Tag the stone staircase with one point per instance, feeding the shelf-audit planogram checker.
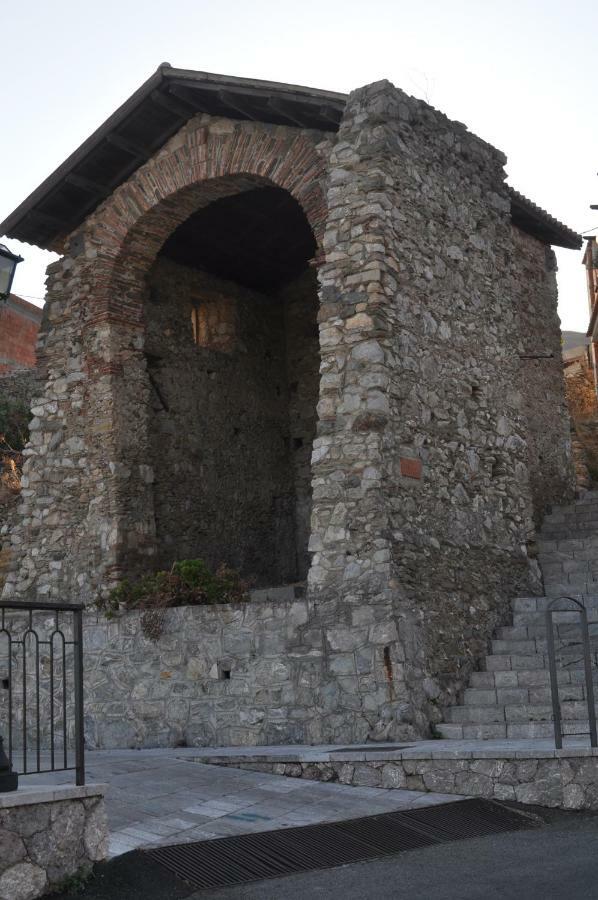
(510, 698)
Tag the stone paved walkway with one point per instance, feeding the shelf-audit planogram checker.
(162, 797)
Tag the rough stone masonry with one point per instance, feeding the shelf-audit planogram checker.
(314, 336)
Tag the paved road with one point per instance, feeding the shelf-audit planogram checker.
(557, 862)
(549, 865)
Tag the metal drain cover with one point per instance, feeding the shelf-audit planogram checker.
(271, 854)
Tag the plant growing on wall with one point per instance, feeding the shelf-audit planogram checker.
(14, 433)
(14, 424)
(190, 582)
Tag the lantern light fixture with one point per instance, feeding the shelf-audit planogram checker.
(8, 264)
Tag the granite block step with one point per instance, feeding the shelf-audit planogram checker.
(574, 710)
(532, 678)
(508, 696)
(567, 645)
(565, 631)
(589, 599)
(498, 730)
(511, 697)
(514, 662)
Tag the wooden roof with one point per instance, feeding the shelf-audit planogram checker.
(156, 111)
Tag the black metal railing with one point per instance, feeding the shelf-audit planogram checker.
(587, 662)
(41, 687)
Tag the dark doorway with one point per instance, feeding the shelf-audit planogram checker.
(233, 362)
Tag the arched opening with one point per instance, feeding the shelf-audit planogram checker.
(233, 363)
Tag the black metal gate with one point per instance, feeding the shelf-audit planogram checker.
(41, 687)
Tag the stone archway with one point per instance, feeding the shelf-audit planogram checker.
(203, 165)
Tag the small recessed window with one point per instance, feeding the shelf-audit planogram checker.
(213, 324)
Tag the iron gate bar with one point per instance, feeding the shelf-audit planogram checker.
(587, 660)
(272, 854)
(29, 636)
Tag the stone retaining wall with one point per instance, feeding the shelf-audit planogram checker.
(567, 782)
(238, 674)
(47, 835)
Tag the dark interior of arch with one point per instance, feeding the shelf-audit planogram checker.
(233, 364)
(259, 238)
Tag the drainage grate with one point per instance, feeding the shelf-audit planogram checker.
(270, 854)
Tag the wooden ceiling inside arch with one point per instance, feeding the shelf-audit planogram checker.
(259, 238)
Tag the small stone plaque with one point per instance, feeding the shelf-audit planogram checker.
(411, 468)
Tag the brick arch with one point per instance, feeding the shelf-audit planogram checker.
(199, 165)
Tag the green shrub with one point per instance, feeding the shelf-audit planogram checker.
(190, 582)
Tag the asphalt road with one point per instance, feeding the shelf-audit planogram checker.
(558, 861)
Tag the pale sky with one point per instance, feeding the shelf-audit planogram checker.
(519, 73)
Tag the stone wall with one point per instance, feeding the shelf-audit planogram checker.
(47, 835)
(20, 387)
(231, 424)
(541, 382)
(568, 781)
(422, 500)
(239, 674)
(583, 408)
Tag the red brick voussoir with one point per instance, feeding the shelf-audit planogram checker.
(207, 159)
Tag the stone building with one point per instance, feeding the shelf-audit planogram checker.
(313, 335)
(580, 389)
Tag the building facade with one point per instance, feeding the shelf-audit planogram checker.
(314, 336)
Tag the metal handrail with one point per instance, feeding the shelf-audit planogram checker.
(554, 687)
(56, 644)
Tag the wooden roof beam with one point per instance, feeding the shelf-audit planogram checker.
(89, 186)
(131, 147)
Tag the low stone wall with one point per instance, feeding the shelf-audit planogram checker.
(260, 672)
(564, 779)
(47, 834)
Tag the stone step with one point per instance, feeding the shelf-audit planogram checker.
(545, 558)
(538, 619)
(585, 514)
(566, 631)
(573, 710)
(537, 694)
(573, 528)
(531, 678)
(562, 569)
(505, 662)
(540, 604)
(569, 586)
(511, 697)
(567, 544)
(501, 730)
(569, 645)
